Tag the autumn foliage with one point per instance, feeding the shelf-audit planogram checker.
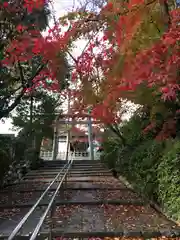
(28, 43)
(111, 68)
(157, 65)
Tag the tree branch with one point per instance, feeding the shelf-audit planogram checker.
(73, 58)
(118, 134)
(5, 112)
(21, 74)
(10, 93)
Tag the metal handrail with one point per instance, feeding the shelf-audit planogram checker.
(43, 217)
(25, 218)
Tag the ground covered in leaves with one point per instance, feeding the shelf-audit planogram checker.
(109, 217)
(86, 217)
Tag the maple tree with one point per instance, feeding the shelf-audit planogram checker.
(129, 45)
(25, 55)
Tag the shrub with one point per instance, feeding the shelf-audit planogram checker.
(169, 180)
(151, 166)
(140, 165)
(32, 158)
(110, 153)
(6, 154)
(5, 160)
